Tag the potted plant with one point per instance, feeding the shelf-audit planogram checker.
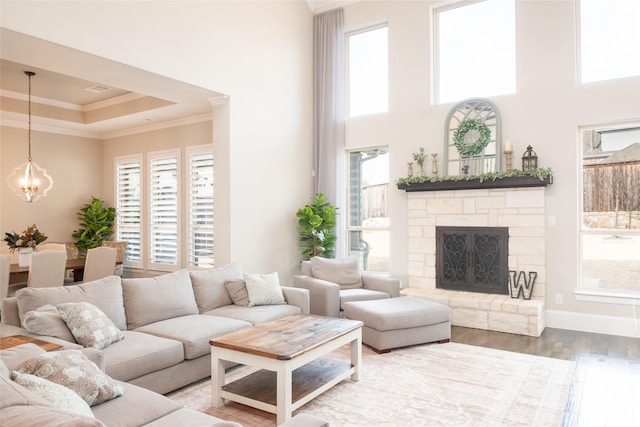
(316, 224)
(96, 225)
(24, 243)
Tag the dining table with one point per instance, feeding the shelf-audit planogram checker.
(19, 274)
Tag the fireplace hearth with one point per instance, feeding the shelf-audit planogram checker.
(472, 259)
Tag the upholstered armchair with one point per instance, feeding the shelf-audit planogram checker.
(332, 283)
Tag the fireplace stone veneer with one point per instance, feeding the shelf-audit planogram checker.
(522, 210)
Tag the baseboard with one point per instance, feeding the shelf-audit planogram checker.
(599, 324)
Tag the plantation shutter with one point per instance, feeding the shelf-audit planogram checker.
(128, 207)
(163, 210)
(200, 191)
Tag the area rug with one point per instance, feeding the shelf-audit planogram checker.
(429, 385)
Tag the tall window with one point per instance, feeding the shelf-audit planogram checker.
(128, 207)
(474, 50)
(609, 39)
(368, 226)
(164, 215)
(200, 191)
(610, 232)
(368, 72)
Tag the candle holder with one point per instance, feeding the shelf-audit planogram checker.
(508, 157)
(434, 164)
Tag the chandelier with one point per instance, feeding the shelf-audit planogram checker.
(29, 181)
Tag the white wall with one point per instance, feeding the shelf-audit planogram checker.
(260, 55)
(74, 163)
(545, 112)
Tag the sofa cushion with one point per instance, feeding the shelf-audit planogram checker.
(264, 289)
(106, 294)
(59, 396)
(12, 357)
(137, 406)
(345, 272)
(255, 315)
(72, 369)
(238, 292)
(139, 354)
(148, 300)
(208, 285)
(46, 321)
(194, 331)
(186, 417)
(89, 325)
(42, 415)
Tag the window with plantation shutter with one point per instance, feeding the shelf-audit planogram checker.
(164, 214)
(200, 206)
(128, 207)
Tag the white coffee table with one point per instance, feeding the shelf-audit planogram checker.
(288, 353)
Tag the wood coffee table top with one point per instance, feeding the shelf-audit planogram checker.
(286, 338)
(16, 340)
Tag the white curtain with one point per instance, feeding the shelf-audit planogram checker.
(328, 129)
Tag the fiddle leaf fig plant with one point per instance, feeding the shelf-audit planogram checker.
(96, 225)
(316, 225)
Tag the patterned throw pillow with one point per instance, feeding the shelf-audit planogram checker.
(61, 397)
(264, 289)
(72, 369)
(238, 292)
(89, 325)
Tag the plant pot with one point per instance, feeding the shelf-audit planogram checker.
(24, 257)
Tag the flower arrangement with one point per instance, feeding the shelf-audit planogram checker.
(419, 157)
(30, 238)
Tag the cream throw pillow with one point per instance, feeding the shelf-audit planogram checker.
(89, 325)
(72, 369)
(264, 289)
(47, 321)
(61, 397)
(345, 272)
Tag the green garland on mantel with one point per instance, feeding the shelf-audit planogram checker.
(540, 173)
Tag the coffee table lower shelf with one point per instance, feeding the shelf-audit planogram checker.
(259, 389)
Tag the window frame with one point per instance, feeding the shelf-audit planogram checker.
(582, 292)
(578, 49)
(354, 31)
(191, 151)
(436, 80)
(138, 158)
(152, 156)
(350, 228)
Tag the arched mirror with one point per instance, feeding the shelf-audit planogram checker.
(472, 138)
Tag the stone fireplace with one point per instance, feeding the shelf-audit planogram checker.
(521, 211)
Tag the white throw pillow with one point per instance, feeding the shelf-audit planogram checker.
(264, 289)
(60, 396)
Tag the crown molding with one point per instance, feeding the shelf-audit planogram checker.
(17, 121)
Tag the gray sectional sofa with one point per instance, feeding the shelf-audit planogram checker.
(167, 322)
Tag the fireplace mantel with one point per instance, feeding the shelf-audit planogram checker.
(476, 184)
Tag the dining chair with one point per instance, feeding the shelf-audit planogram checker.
(47, 269)
(121, 247)
(51, 247)
(5, 265)
(101, 262)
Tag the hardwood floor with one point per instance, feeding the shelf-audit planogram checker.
(605, 391)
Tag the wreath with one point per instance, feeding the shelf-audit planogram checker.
(472, 149)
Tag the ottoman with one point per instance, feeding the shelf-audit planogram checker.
(399, 322)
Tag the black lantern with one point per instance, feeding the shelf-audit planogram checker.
(529, 160)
